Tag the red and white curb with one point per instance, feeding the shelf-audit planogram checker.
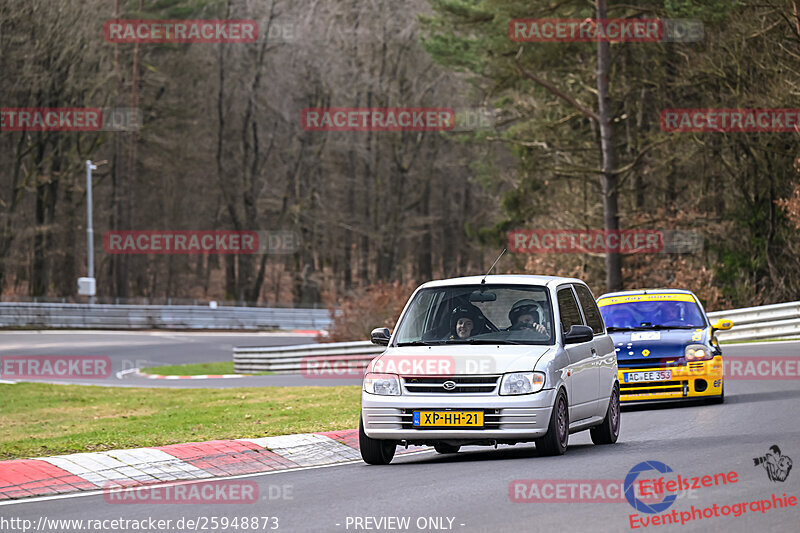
(24, 478)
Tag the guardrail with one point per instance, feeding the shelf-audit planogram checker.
(752, 323)
(345, 356)
(84, 316)
(779, 321)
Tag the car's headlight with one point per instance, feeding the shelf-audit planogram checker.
(382, 384)
(697, 352)
(521, 383)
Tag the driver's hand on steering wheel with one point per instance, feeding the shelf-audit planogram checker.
(534, 326)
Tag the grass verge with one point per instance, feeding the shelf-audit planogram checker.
(40, 419)
(198, 369)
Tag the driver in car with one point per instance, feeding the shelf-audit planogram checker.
(462, 322)
(526, 314)
(670, 315)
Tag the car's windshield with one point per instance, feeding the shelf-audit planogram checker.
(651, 311)
(478, 314)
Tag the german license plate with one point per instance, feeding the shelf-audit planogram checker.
(657, 375)
(448, 419)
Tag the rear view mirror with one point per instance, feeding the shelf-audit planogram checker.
(722, 324)
(380, 336)
(478, 296)
(578, 334)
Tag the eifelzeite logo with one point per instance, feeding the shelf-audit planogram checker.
(180, 31)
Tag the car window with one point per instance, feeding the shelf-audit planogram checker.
(453, 314)
(593, 318)
(659, 310)
(568, 310)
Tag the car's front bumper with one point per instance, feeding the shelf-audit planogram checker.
(692, 380)
(506, 418)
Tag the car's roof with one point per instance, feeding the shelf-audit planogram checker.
(502, 279)
(646, 291)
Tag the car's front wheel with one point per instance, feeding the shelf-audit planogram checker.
(375, 451)
(555, 441)
(608, 431)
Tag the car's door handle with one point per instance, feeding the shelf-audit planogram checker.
(594, 352)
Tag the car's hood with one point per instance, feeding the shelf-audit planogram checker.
(655, 344)
(458, 359)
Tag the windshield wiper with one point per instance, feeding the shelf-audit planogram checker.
(481, 341)
(420, 343)
(647, 328)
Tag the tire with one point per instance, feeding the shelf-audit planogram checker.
(446, 448)
(375, 451)
(555, 440)
(608, 431)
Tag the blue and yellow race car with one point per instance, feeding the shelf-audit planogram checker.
(666, 347)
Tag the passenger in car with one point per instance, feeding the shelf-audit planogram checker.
(622, 318)
(526, 314)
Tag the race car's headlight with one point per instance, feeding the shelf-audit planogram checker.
(697, 352)
(521, 383)
(382, 384)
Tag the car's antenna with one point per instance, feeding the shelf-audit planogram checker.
(483, 281)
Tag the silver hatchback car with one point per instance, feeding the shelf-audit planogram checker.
(489, 360)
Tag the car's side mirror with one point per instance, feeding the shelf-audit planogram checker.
(722, 324)
(380, 336)
(578, 334)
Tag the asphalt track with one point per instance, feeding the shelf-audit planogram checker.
(131, 350)
(472, 487)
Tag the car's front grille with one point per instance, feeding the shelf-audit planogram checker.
(652, 387)
(663, 363)
(457, 385)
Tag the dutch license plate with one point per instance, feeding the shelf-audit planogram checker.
(448, 419)
(658, 375)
